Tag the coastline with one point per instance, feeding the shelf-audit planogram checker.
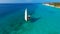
(51, 5)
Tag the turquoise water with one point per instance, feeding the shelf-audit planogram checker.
(49, 22)
(12, 19)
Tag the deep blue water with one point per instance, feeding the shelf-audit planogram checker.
(12, 16)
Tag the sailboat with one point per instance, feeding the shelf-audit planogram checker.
(26, 14)
(27, 17)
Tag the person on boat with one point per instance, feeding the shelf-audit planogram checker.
(28, 17)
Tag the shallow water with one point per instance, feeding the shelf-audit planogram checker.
(12, 19)
(49, 23)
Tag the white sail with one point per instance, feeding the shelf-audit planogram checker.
(25, 14)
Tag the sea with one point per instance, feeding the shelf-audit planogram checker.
(12, 19)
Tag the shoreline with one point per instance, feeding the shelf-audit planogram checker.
(50, 5)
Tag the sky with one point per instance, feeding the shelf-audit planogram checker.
(27, 1)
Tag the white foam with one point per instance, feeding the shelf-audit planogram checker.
(48, 5)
